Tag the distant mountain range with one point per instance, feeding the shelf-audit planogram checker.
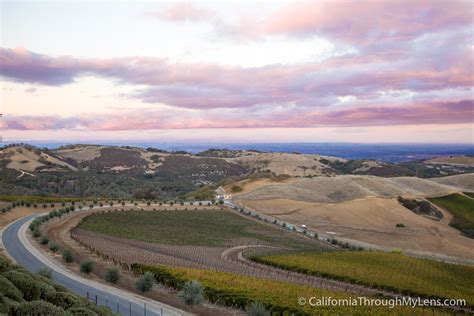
(124, 171)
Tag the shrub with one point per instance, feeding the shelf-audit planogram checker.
(65, 300)
(39, 308)
(400, 225)
(53, 246)
(81, 311)
(46, 272)
(46, 289)
(25, 283)
(44, 240)
(87, 266)
(236, 188)
(36, 232)
(67, 256)
(257, 309)
(145, 282)
(4, 265)
(192, 293)
(9, 290)
(112, 275)
(7, 305)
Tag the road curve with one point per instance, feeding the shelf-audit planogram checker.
(125, 303)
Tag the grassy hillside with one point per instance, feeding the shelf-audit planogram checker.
(390, 271)
(23, 293)
(462, 209)
(204, 228)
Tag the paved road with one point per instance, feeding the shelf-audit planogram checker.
(125, 303)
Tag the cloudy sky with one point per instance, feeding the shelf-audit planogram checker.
(352, 71)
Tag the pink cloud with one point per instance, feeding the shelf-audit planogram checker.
(369, 21)
(448, 112)
(184, 11)
(208, 86)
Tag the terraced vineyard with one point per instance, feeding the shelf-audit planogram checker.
(239, 291)
(462, 209)
(389, 271)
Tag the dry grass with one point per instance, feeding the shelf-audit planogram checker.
(284, 163)
(348, 187)
(373, 221)
(27, 160)
(462, 181)
(453, 160)
(81, 153)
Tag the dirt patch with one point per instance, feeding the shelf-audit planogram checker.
(372, 221)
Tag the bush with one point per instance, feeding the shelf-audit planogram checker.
(81, 311)
(67, 256)
(145, 282)
(4, 265)
(53, 246)
(65, 300)
(46, 273)
(87, 266)
(112, 275)
(44, 240)
(236, 188)
(25, 283)
(257, 309)
(400, 225)
(9, 290)
(192, 293)
(39, 308)
(46, 288)
(36, 232)
(7, 305)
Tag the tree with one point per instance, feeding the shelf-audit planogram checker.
(112, 275)
(67, 256)
(145, 282)
(192, 293)
(87, 266)
(53, 246)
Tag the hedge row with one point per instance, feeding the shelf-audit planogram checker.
(23, 293)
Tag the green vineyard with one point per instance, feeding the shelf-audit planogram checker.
(388, 271)
(279, 297)
(462, 208)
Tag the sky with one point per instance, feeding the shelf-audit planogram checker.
(388, 71)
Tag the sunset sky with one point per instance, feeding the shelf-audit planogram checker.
(352, 71)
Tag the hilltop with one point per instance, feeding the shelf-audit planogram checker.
(124, 171)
